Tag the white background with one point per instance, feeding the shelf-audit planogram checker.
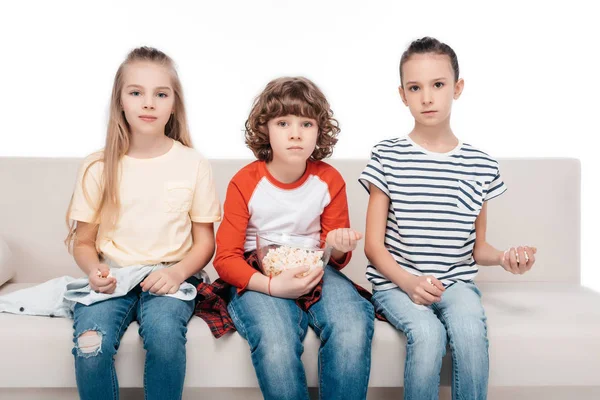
(531, 71)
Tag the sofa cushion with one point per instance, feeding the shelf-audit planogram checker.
(6, 270)
(540, 334)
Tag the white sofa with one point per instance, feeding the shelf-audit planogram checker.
(544, 328)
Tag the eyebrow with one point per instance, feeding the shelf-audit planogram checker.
(433, 80)
(158, 88)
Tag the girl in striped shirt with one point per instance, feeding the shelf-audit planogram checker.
(427, 215)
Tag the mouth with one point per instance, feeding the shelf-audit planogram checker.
(430, 112)
(147, 118)
(295, 148)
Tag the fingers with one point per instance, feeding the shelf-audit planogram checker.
(523, 258)
(530, 251)
(165, 289)
(158, 285)
(512, 264)
(428, 297)
(344, 239)
(433, 290)
(315, 280)
(358, 235)
(110, 288)
(298, 271)
(338, 238)
(436, 283)
(104, 287)
(100, 284)
(103, 270)
(150, 281)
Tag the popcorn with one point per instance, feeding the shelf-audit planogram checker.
(100, 275)
(283, 258)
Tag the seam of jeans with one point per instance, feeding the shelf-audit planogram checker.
(239, 324)
(140, 318)
(125, 317)
(370, 333)
(115, 387)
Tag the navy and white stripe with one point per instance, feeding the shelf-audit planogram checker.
(434, 201)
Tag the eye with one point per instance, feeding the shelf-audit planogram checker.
(135, 93)
(162, 95)
(438, 85)
(413, 88)
(282, 124)
(307, 124)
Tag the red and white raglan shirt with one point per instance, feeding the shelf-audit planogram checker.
(256, 201)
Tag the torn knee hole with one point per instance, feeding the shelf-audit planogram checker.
(89, 341)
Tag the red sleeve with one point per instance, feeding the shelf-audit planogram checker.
(335, 215)
(229, 261)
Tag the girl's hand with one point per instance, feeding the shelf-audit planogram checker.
(424, 290)
(343, 239)
(101, 281)
(163, 281)
(291, 285)
(518, 260)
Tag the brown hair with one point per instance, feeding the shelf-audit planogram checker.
(290, 96)
(430, 45)
(118, 137)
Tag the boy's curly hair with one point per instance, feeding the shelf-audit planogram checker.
(290, 96)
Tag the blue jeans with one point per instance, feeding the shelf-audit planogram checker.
(163, 326)
(275, 329)
(459, 320)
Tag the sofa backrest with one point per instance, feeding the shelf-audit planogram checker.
(541, 208)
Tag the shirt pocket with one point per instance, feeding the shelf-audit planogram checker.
(469, 195)
(178, 196)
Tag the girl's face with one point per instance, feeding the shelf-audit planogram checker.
(147, 98)
(428, 88)
(293, 138)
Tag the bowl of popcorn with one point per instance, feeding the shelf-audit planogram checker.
(279, 251)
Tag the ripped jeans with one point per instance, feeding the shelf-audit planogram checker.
(163, 327)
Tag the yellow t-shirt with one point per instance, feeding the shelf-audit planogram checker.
(160, 198)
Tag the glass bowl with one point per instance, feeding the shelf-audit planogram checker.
(278, 251)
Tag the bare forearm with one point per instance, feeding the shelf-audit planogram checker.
(259, 283)
(385, 263)
(86, 257)
(487, 255)
(196, 259)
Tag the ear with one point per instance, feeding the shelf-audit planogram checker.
(402, 95)
(458, 88)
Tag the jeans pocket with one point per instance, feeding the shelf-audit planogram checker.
(469, 195)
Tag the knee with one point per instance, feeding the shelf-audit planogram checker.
(468, 334)
(164, 339)
(429, 337)
(91, 343)
(279, 349)
(352, 335)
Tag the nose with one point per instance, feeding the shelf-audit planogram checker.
(148, 103)
(295, 132)
(427, 97)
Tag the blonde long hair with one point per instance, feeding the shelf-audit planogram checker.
(118, 139)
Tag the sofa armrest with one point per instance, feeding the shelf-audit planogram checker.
(6, 272)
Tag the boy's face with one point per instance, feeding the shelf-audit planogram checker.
(428, 88)
(293, 138)
(147, 98)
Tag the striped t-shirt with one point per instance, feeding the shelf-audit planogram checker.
(434, 201)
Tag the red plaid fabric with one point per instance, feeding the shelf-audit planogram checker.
(213, 299)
